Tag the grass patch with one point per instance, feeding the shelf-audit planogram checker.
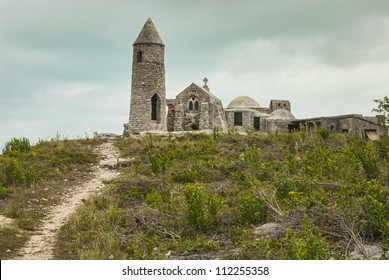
(36, 177)
(10, 241)
(202, 196)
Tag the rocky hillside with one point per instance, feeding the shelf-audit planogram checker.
(206, 196)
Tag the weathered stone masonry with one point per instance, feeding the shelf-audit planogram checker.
(196, 108)
(148, 97)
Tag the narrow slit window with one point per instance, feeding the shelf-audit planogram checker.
(139, 57)
(154, 106)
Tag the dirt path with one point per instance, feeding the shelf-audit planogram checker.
(41, 244)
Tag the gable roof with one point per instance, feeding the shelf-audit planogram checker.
(193, 85)
(149, 35)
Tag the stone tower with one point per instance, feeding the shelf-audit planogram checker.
(148, 98)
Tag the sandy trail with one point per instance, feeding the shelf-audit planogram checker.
(41, 244)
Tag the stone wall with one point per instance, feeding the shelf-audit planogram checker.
(217, 116)
(358, 125)
(247, 120)
(171, 117)
(148, 79)
(279, 104)
(353, 124)
(209, 114)
(280, 125)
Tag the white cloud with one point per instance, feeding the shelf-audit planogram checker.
(290, 69)
(65, 65)
(73, 90)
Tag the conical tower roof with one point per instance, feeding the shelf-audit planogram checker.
(149, 35)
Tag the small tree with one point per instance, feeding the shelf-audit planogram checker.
(383, 107)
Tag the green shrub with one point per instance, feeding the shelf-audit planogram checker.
(374, 216)
(196, 200)
(4, 192)
(385, 239)
(382, 147)
(158, 163)
(283, 188)
(215, 134)
(214, 205)
(252, 158)
(186, 175)
(368, 161)
(366, 206)
(322, 134)
(13, 172)
(250, 209)
(264, 249)
(308, 244)
(16, 146)
(154, 199)
(198, 244)
(31, 175)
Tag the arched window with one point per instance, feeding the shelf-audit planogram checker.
(154, 107)
(193, 104)
(139, 57)
(196, 105)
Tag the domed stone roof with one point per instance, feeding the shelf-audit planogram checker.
(281, 114)
(243, 102)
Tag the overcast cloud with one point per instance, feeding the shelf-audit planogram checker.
(65, 66)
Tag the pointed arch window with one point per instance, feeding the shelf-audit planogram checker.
(196, 105)
(193, 104)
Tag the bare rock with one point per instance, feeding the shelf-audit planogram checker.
(6, 222)
(114, 162)
(270, 230)
(368, 252)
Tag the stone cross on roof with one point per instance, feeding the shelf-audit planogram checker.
(205, 86)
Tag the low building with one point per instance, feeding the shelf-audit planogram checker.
(245, 113)
(279, 120)
(372, 127)
(195, 108)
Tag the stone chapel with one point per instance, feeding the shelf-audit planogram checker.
(197, 108)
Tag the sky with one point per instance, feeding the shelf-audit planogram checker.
(65, 66)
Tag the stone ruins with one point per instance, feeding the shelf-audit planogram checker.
(197, 108)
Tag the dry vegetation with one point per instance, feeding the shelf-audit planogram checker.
(199, 196)
(34, 178)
